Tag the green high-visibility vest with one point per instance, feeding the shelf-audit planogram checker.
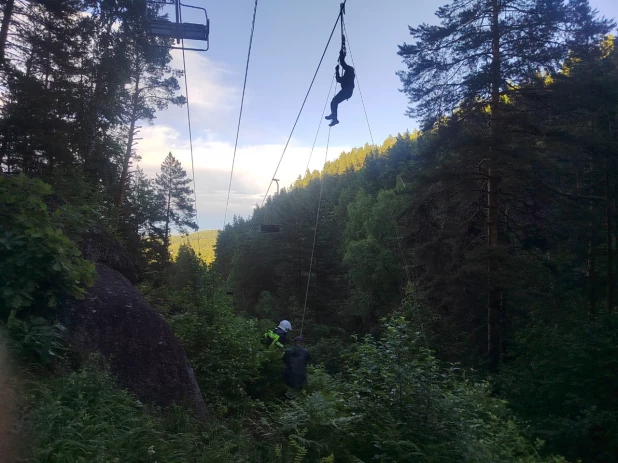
(275, 337)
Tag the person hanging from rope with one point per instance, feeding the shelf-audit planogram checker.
(296, 359)
(347, 87)
(279, 336)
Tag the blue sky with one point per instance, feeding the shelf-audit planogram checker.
(288, 42)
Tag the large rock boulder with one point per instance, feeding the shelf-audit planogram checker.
(144, 355)
(99, 245)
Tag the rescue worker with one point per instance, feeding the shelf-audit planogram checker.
(347, 87)
(279, 336)
(296, 359)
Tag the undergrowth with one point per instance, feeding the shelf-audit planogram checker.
(82, 416)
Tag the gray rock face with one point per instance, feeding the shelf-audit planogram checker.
(99, 246)
(144, 355)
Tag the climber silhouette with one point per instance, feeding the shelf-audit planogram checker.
(347, 87)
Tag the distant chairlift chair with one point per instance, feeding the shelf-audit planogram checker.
(180, 30)
(271, 228)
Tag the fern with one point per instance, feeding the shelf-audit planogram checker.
(300, 451)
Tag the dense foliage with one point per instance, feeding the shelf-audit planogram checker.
(38, 262)
(82, 416)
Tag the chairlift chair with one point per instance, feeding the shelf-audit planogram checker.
(179, 30)
(271, 228)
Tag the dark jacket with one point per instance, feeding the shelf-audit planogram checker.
(296, 360)
(348, 77)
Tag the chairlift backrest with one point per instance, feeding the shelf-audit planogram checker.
(192, 31)
(181, 30)
(161, 28)
(268, 228)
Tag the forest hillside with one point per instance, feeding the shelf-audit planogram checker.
(454, 288)
(202, 242)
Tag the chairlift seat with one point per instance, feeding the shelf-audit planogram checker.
(268, 228)
(161, 28)
(191, 31)
(171, 30)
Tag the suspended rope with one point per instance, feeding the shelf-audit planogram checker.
(317, 217)
(315, 233)
(343, 50)
(392, 213)
(197, 223)
(320, 124)
(339, 16)
(242, 103)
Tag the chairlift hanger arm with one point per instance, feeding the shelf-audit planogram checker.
(180, 30)
(196, 8)
(194, 27)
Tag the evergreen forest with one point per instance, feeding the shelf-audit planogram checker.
(456, 285)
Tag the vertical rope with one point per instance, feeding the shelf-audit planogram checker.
(320, 124)
(242, 103)
(392, 214)
(238, 254)
(315, 233)
(184, 66)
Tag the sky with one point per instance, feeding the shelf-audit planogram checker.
(288, 42)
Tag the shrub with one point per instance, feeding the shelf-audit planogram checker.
(37, 340)
(396, 403)
(83, 417)
(38, 264)
(564, 382)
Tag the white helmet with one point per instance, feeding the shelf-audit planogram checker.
(285, 326)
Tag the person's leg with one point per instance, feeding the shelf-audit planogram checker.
(338, 98)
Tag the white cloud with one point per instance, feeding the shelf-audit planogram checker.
(209, 89)
(254, 167)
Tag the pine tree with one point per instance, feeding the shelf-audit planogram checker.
(153, 86)
(172, 186)
(481, 54)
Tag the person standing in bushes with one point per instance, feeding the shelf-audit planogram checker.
(296, 359)
(279, 337)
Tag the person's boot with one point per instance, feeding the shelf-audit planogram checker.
(334, 122)
(328, 118)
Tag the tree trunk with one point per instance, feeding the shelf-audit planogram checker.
(494, 296)
(125, 165)
(4, 29)
(615, 212)
(592, 297)
(167, 217)
(129, 150)
(591, 278)
(610, 263)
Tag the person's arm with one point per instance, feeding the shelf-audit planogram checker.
(337, 75)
